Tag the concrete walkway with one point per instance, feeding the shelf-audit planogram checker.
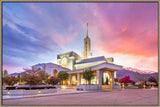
(70, 97)
(61, 92)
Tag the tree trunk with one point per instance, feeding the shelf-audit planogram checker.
(89, 82)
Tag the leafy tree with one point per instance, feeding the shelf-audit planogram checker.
(32, 79)
(46, 75)
(88, 75)
(63, 75)
(5, 73)
(19, 78)
(152, 79)
(10, 80)
(126, 80)
(53, 80)
(42, 74)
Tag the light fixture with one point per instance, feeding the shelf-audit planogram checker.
(39, 92)
(144, 86)
(123, 86)
(8, 92)
(63, 87)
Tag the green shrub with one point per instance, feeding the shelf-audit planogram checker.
(53, 80)
(63, 75)
(88, 75)
(152, 79)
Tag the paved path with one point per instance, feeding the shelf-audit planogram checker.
(115, 97)
(61, 92)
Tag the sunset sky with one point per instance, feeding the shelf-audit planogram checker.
(36, 32)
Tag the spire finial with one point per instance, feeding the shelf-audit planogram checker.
(87, 29)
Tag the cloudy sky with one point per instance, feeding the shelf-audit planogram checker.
(36, 32)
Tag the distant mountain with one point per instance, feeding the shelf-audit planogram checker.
(136, 74)
(139, 71)
(14, 74)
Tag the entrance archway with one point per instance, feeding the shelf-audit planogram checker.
(106, 80)
(55, 73)
(73, 79)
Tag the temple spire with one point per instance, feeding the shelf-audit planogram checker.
(87, 29)
(87, 46)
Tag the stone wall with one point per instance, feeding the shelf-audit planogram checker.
(87, 87)
(28, 92)
(117, 87)
(62, 86)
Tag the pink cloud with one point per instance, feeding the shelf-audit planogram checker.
(124, 28)
(130, 35)
(12, 68)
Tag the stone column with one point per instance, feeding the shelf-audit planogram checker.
(112, 74)
(70, 77)
(78, 79)
(99, 78)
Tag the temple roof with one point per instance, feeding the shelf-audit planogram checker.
(91, 60)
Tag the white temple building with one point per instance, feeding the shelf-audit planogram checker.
(74, 65)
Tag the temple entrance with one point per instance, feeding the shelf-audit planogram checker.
(74, 80)
(106, 80)
(55, 73)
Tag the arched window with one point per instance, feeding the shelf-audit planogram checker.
(73, 80)
(55, 73)
(64, 62)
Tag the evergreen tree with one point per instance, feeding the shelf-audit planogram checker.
(5, 73)
(152, 79)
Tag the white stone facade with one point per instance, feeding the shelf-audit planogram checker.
(49, 68)
(74, 65)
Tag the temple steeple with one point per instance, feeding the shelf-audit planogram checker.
(87, 46)
(87, 29)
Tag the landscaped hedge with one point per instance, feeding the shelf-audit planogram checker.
(10, 88)
(141, 87)
(27, 88)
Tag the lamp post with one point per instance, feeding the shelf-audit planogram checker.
(144, 86)
(39, 92)
(122, 86)
(8, 92)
